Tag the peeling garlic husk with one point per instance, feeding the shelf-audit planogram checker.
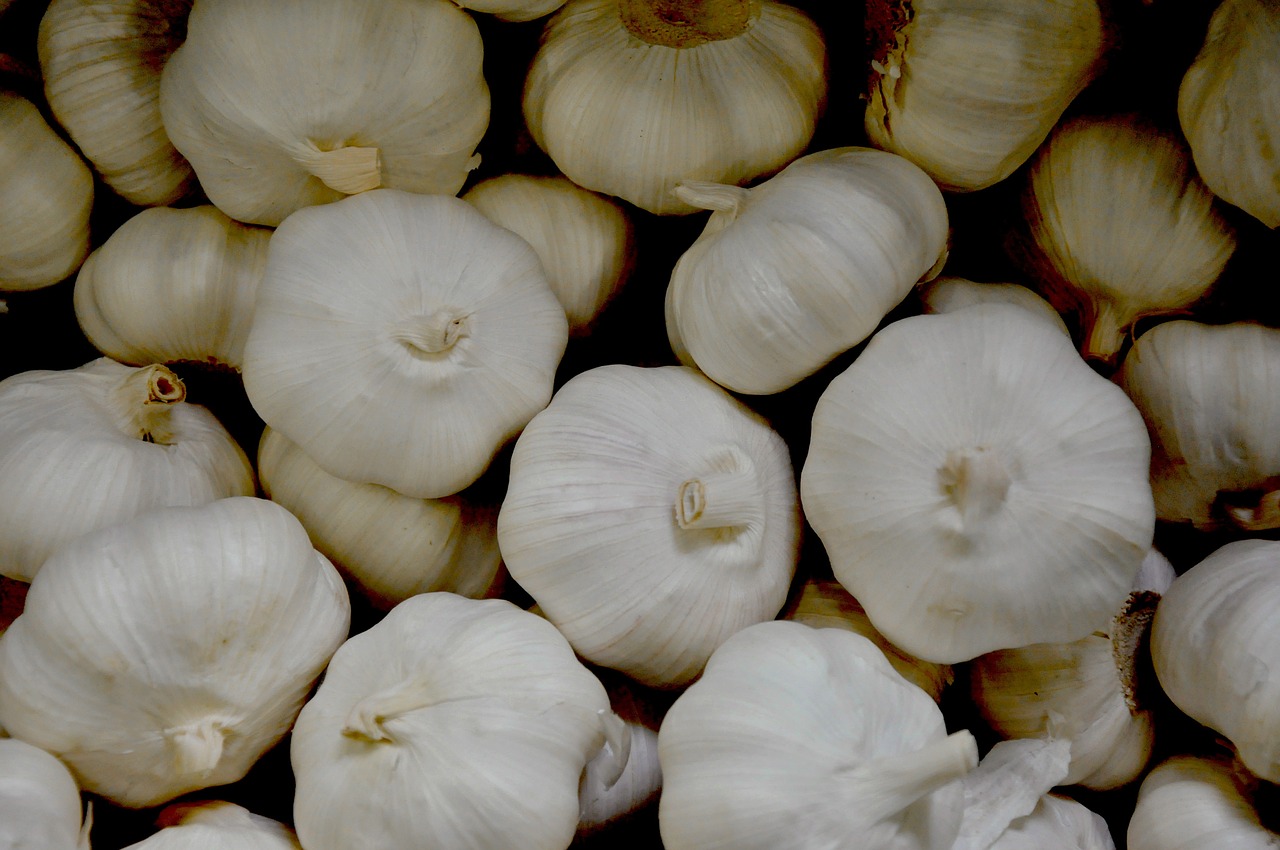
(1190, 803)
(217, 825)
(39, 801)
(173, 285)
(945, 294)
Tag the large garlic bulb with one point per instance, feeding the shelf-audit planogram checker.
(87, 448)
(977, 486)
(217, 825)
(632, 97)
(101, 62)
(167, 653)
(968, 89)
(1193, 803)
(401, 339)
(39, 801)
(283, 105)
(790, 273)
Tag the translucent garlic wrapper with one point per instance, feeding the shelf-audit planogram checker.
(459, 722)
(632, 97)
(279, 106)
(799, 737)
(977, 486)
(39, 800)
(790, 273)
(968, 89)
(167, 653)
(1190, 803)
(401, 339)
(651, 515)
(216, 825)
(86, 448)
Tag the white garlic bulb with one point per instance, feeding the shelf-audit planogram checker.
(39, 801)
(630, 98)
(86, 448)
(217, 825)
(171, 285)
(512, 10)
(284, 105)
(604, 796)
(1191, 803)
(401, 339)
(977, 485)
(790, 273)
(1057, 822)
(167, 653)
(944, 294)
(651, 515)
(800, 737)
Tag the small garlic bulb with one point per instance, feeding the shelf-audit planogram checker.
(1191, 803)
(945, 294)
(604, 797)
(39, 801)
(217, 825)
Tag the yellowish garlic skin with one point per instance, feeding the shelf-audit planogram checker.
(39, 800)
(214, 824)
(1191, 803)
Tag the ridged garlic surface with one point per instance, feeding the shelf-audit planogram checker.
(968, 89)
(46, 195)
(281, 105)
(788, 274)
(173, 285)
(977, 486)
(945, 294)
(401, 339)
(1192, 803)
(86, 448)
(465, 721)
(39, 801)
(651, 515)
(167, 653)
(217, 825)
(101, 62)
(630, 97)
(802, 738)
(1229, 110)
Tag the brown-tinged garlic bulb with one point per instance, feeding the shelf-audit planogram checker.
(1193, 803)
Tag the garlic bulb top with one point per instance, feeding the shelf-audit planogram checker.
(968, 89)
(280, 106)
(977, 485)
(631, 97)
(39, 801)
(1190, 803)
(168, 652)
(944, 294)
(86, 448)
(803, 737)
(217, 825)
(400, 339)
(469, 721)
(790, 273)
(651, 515)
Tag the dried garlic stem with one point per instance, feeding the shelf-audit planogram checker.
(433, 334)
(349, 169)
(976, 481)
(706, 195)
(142, 403)
(889, 784)
(687, 23)
(368, 717)
(197, 746)
(1105, 334)
(728, 499)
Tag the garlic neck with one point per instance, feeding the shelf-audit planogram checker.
(687, 23)
(433, 334)
(726, 496)
(885, 21)
(197, 747)
(143, 403)
(889, 784)
(367, 720)
(1105, 335)
(976, 481)
(706, 195)
(349, 169)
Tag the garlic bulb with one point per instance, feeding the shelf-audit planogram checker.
(167, 653)
(790, 273)
(1215, 644)
(87, 448)
(604, 796)
(468, 721)
(944, 294)
(968, 89)
(585, 241)
(1228, 111)
(171, 285)
(651, 515)
(1120, 227)
(1206, 393)
(801, 738)
(217, 825)
(401, 339)
(282, 105)
(512, 10)
(977, 486)
(392, 546)
(46, 195)
(1057, 822)
(101, 63)
(1190, 803)
(39, 801)
(631, 97)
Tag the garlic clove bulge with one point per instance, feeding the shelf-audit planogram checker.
(39, 800)
(215, 825)
(1190, 803)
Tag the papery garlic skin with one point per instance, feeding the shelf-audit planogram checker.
(39, 801)
(790, 273)
(468, 721)
(167, 653)
(1228, 110)
(1190, 803)
(512, 10)
(217, 825)
(1060, 823)
(46, 195)
(977, 486)
(86, 448)
(945, 294)
(404, 108)
(173, 285)
(629, 104)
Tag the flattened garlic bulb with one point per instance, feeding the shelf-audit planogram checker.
(968, 89)
(217, 825)
(790, 273)
(282, 105)
(171, 285)
(631, 97)
(101, 63)
(86, 448)
(401, 339)
(39, 801)
(801, 738)
(945, 294)
(167, 653)
(1191, 803)
(651, 515)
(977, 486)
